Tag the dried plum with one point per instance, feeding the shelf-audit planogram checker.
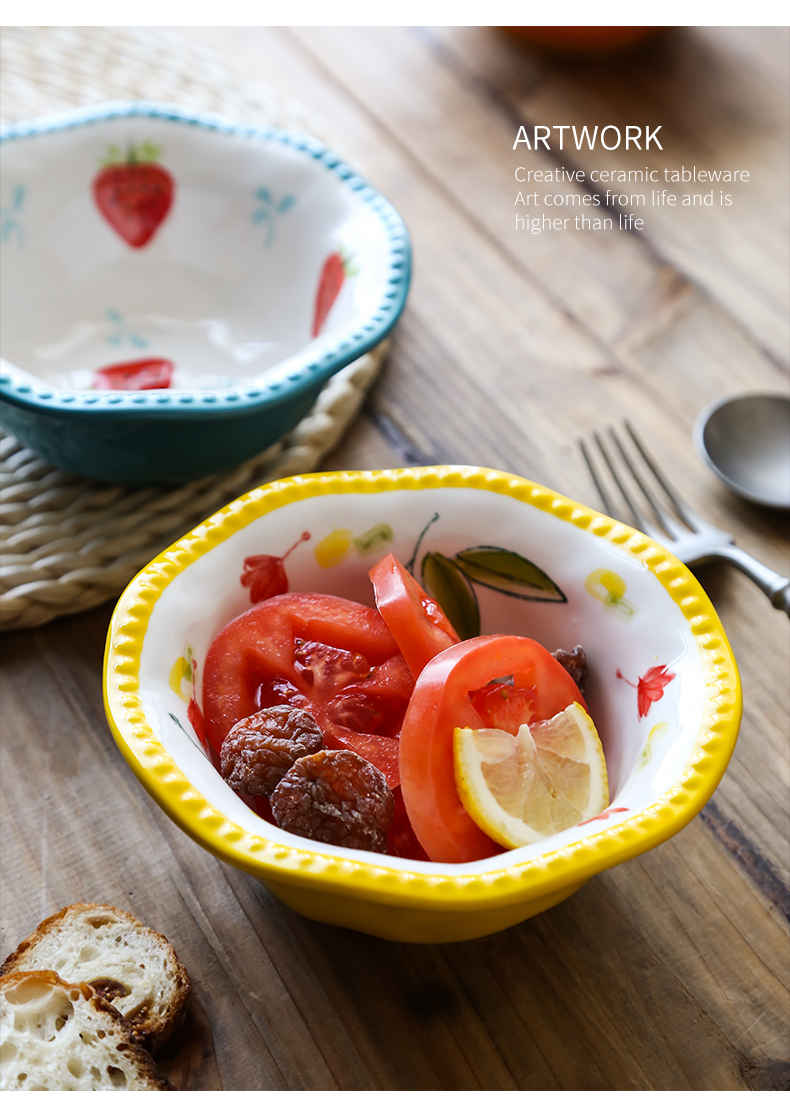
(575, 662)
(258, 750)
(335, 797)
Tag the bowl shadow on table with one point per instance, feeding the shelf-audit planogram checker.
(418, 1012)
(716, 579)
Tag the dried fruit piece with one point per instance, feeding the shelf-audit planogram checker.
(260, 749)
(108, 988)
(335, 797)
(575, 662)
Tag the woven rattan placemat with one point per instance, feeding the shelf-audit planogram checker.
(67, 543)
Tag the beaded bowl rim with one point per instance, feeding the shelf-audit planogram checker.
(279, 385)
(446, 887)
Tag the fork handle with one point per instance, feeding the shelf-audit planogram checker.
(772, 584)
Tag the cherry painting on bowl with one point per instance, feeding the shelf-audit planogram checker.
(172, 266)
(508, 557)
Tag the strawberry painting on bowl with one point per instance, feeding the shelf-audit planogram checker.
(134, 194)
(177, 287)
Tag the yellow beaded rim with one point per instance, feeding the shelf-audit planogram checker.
(265, 858)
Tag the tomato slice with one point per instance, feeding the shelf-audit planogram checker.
(333, 657)
(504, 705)
(401, 840)
(417, 622)
(452, 692)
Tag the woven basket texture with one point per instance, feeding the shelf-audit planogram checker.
(69, 544)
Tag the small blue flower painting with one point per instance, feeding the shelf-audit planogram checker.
(11, 228)
(267, 211)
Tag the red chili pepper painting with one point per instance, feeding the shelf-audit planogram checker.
(195, 717)
(145, 373)
(135, 193)
(186, 668)
(335, 270)
(650, 687)
(195, 713)
(265, 576)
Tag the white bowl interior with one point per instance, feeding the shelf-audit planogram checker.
(632, 630)
(226, 288)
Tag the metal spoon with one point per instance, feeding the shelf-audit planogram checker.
(746, 442)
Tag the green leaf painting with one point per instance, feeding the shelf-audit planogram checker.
(449, 586)
(451, 580)
(380, 535)
(508, 572)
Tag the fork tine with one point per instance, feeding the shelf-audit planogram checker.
(607, 504)
(682, 510)
(639, 519)
(669, 527)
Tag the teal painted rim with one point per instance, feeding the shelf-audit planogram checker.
(279, 386)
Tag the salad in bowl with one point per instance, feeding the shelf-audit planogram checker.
(425, 704)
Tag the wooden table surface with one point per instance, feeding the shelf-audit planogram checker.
(670, 971)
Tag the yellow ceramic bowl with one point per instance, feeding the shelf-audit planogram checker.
(664, 687)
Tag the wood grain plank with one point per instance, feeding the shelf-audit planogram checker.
(318, 1007)
(447, 331)
(668, 972)
(366, 445)
(645, 370)
(721, 95)
(466, 143)
(141, 863)
(676, 327)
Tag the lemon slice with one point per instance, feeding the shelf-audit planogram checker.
(521, 788)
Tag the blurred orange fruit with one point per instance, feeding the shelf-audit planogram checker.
(584, 40)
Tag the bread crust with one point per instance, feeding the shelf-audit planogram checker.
(36, 1062)
(151, 1024)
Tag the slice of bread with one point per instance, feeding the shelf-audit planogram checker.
(130, 965)
(57, 1036)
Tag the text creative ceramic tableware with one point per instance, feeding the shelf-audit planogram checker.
(664, 688)
(176, 287)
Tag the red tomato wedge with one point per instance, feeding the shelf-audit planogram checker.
(417, 622)
(401, 840)
(444, 699)
(333, 657)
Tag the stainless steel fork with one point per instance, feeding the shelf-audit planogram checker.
(684, 533)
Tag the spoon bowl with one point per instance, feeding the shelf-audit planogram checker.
(746, 442)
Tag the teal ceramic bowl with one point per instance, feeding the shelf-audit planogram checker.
(177, 288)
